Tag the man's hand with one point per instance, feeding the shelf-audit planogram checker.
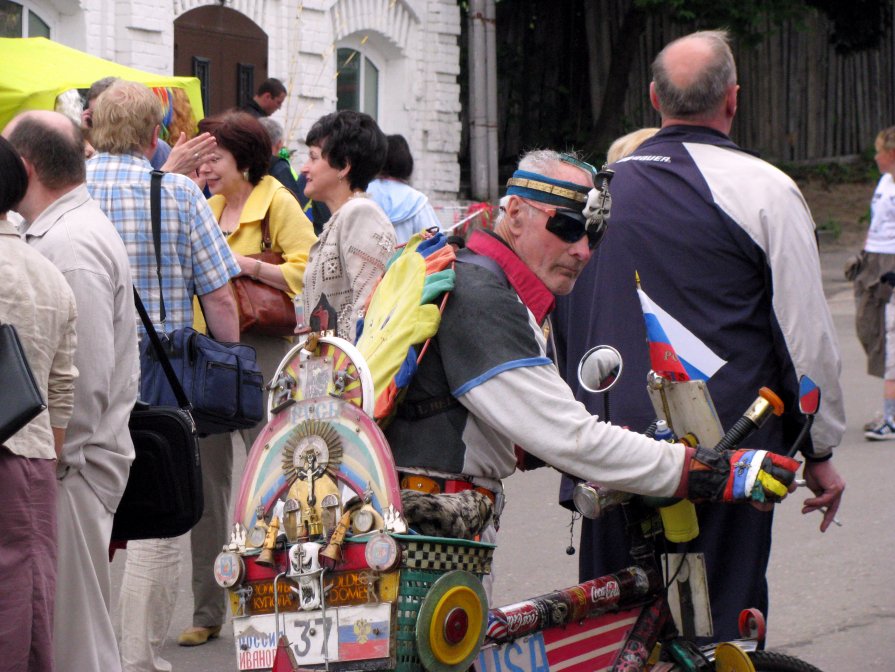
(187, 155)
(740, 475)
(828, 485)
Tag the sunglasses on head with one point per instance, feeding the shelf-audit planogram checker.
(583, 165)
(569, 228)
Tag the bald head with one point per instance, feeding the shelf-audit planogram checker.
(52, 144)
(694, 80)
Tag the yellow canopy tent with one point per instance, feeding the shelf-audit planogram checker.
(34, 70)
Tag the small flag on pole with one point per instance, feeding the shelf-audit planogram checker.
(675, 353)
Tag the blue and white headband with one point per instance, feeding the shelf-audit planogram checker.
(548, 190)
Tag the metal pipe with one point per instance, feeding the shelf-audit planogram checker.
(491, 105)
(478, 109)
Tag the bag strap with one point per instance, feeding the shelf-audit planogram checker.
(155, 207)
(266, 241)
(159, 349)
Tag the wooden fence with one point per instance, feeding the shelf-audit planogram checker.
(800, 101)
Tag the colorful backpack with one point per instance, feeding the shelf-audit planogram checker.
(403, 314)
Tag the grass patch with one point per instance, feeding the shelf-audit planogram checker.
(830, 228)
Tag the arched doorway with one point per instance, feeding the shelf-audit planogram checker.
(226, 50)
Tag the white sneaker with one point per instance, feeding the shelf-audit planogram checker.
(883, 432)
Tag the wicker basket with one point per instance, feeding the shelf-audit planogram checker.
(424, 560)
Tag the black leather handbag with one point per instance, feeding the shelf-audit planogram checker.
(163, 497)
(20, 397)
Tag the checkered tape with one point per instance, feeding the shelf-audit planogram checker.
(448, 557)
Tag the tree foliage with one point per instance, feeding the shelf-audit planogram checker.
(554, 91)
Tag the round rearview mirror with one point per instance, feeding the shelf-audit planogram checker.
(599, 368)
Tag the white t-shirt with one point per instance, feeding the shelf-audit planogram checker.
(881, 235)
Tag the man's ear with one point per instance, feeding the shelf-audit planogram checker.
(29, 169)
(653, 98)
(154, 144)
(513, 217)
(730, 102)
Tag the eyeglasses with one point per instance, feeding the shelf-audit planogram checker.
(569, 228)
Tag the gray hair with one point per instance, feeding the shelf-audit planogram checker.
(274, 129)
(539, 160)
(706, 91)
(69, 103)
(535, 161)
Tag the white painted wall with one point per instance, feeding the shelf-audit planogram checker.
(414, 42)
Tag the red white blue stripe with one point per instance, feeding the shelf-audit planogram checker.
(675, 353)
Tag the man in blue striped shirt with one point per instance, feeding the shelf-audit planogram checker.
(195, 261)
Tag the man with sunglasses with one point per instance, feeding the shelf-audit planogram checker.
(485, 387)
(725, 243)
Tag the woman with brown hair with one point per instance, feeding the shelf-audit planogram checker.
(244, 196)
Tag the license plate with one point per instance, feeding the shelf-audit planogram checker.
(313, 637)
(343, 634)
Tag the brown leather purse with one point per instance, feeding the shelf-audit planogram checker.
(264, 309)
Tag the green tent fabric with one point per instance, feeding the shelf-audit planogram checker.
(35, 70)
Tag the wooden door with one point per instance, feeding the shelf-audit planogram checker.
(226, 50)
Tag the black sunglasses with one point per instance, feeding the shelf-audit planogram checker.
(569, 228)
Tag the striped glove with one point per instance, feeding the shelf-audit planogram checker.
(740, 475)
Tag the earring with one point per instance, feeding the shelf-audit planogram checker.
(340, 179)
(245, 174)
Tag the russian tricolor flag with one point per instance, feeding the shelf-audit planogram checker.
(675, 353)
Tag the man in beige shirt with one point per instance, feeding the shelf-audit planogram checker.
(35, 298)
(68, 227)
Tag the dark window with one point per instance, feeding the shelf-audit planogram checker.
(245, 83)
(10, 19)
(202, 70)
(357, 83)
(37, 27)
(13, 23)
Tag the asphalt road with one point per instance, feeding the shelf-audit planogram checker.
(832, 594)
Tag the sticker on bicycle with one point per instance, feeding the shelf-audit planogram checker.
(312, 636)
(256, 643)
(589, 646)
(364, 632)
(344, 634)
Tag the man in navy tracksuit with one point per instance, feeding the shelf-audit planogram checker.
(724, 242)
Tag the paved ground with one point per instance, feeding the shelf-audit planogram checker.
(832, 595)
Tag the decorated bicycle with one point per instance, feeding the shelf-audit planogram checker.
(334, 563)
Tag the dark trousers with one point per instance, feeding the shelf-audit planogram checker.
(736, 540)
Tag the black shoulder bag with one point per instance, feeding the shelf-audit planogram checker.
(163, 497)
(20, 397)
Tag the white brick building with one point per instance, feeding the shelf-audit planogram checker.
(406, 65)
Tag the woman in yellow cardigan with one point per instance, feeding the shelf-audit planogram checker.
(242, 193)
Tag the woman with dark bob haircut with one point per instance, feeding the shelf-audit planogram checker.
(13, 178)
(243, 197)
(346, 150)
